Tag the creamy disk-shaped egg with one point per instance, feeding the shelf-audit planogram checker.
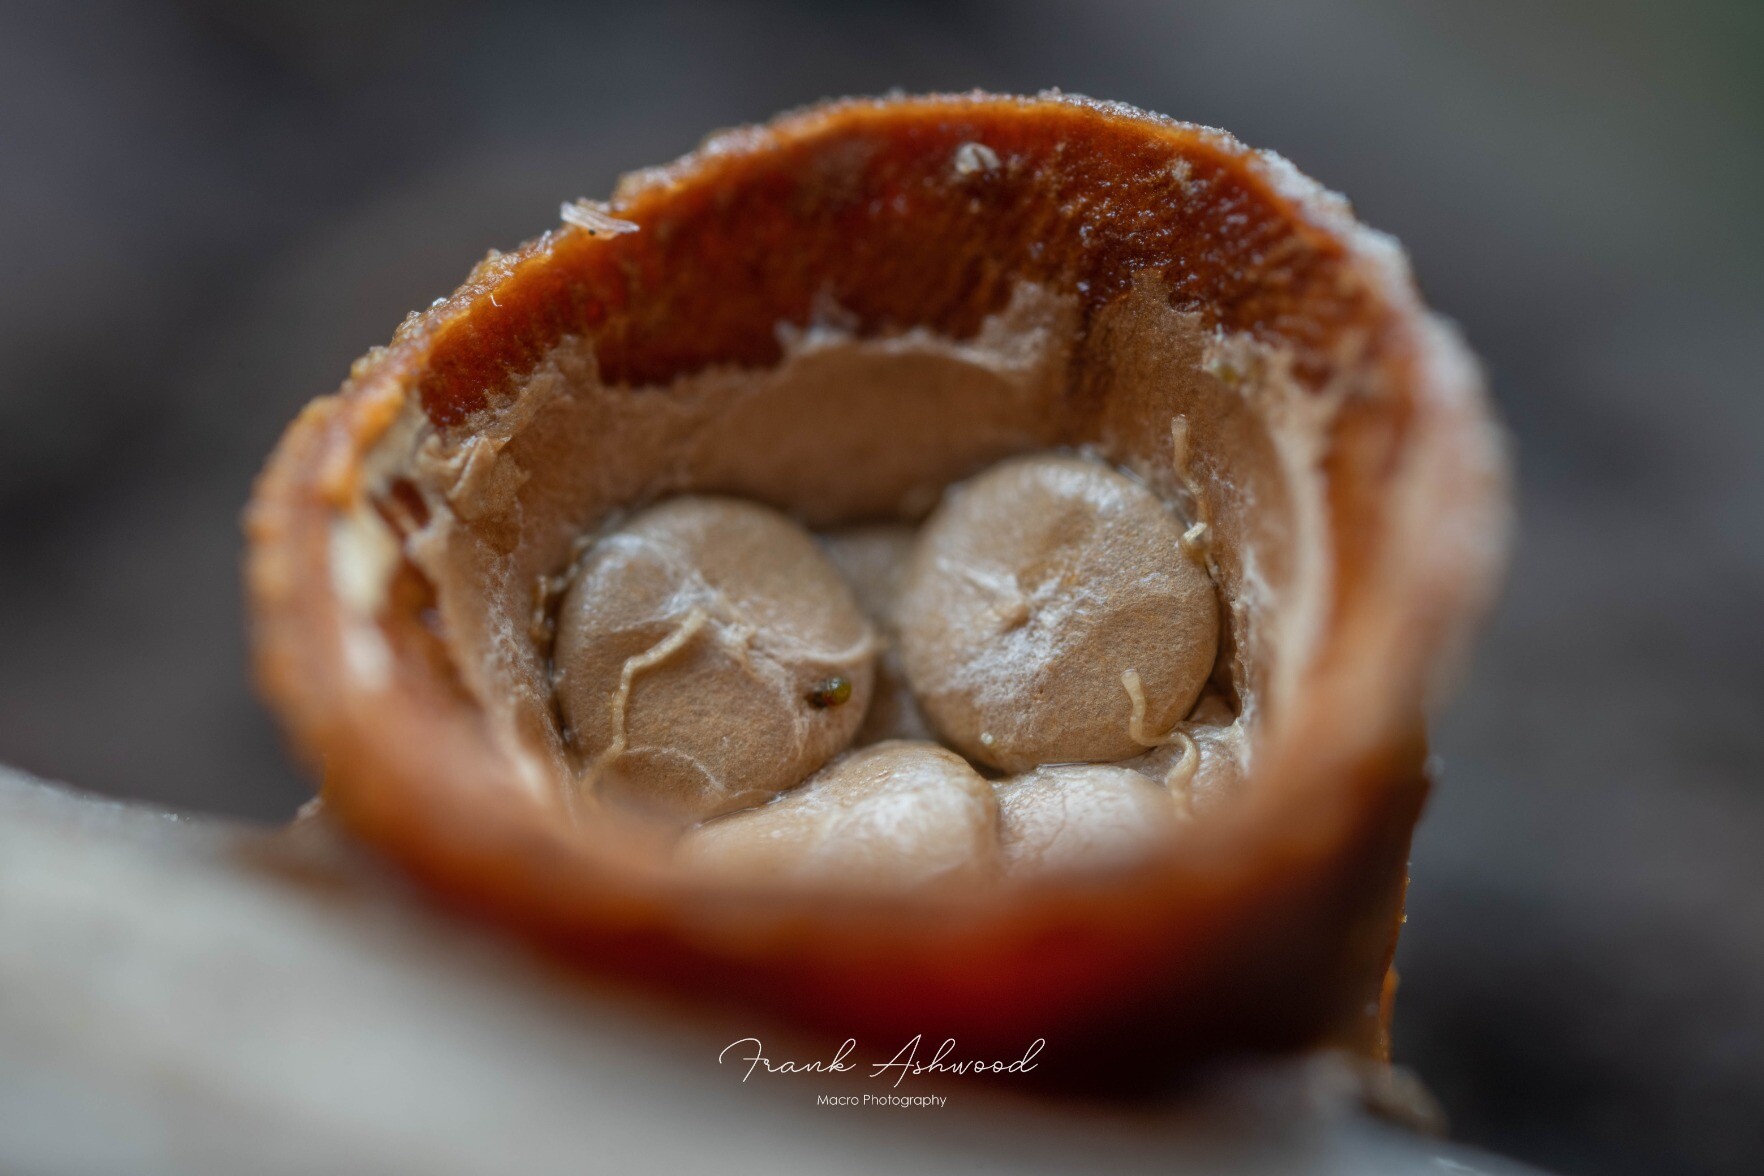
(708, 656)
(1070, 818)
(1050, 614)
(895, 816)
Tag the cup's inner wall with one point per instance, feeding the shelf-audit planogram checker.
(848, 429)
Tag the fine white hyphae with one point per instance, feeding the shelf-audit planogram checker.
(1049, 619)
(707, 657)
(1051, 614)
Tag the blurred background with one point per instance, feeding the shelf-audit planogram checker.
(208, 209)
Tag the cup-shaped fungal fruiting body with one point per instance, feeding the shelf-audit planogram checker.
(838, 317)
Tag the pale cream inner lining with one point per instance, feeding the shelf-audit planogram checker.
(848, 430)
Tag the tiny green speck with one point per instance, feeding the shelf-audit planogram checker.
(832, 692)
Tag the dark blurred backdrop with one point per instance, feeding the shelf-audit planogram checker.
(208, 209)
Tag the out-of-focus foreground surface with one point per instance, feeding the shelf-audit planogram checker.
(209, 209)
(190, 998)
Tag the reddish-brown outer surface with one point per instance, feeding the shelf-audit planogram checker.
(1275, 931)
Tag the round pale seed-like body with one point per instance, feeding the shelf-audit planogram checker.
(708, 656)
(892, 817)
(1071, 818)
(1050, 614)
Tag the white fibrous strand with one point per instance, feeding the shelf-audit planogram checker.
(594, 217)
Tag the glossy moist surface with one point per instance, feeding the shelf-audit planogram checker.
(896, 816)
(1068, 818)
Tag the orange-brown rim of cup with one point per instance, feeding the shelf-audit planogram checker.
(1274, 932)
